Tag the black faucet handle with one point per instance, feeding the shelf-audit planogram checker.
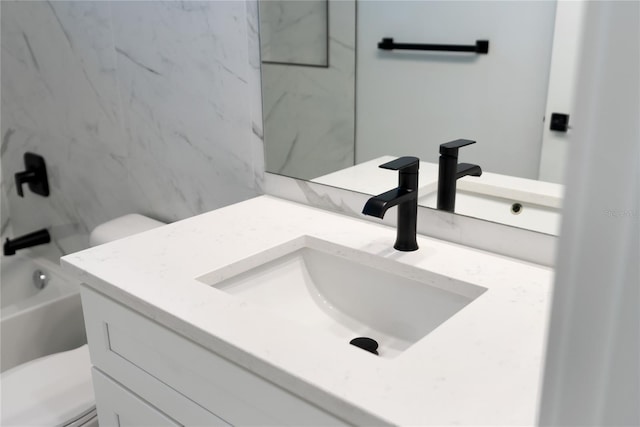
(35, 175)
(405, 164)
(451, 148)
(23, 178)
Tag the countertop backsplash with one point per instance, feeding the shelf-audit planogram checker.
(501, 239)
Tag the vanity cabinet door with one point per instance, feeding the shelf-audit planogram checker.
(117, 406)
(188, 382)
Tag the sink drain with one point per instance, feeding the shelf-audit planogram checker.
(365, 343)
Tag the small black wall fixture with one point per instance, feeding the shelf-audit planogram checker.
(481, 46)
(559, 122)
(35, 175)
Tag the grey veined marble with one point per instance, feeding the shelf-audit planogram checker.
(295, 31)
(145, 107)
(309, 112)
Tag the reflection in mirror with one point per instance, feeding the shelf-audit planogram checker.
(294, 32)
(309, 112)
(408, 103)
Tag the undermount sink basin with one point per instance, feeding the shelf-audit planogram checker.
(346, 293)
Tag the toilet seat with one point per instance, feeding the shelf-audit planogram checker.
(52, 390)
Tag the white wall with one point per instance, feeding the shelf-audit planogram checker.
(563, 77)
(149, 107)
(592, 375)
(408, 103)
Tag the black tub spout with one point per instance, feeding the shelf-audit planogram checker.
(39, 237)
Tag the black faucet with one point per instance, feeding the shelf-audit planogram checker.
(32, 239)
(405, 196)
(450, 171)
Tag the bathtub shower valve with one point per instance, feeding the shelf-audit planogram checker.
(35, 175)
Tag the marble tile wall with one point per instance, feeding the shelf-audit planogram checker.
(148, 107)
(309, 112)
(294, 31)
(5, 223)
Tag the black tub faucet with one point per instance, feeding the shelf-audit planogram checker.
(39, 237)
(405, 196)
(450, 171)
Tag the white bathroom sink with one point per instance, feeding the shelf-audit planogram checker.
(346, 293)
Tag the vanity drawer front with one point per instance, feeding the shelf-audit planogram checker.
(124, 344)
(117, 406)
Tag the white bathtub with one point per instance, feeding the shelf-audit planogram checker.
(36, 322)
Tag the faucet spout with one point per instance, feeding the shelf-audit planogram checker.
(466, 169)
(405, 196)
(378, 205)
(39, 237)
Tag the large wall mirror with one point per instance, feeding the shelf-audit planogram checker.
(335, 105)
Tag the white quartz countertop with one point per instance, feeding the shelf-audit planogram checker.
(369, 178)
(483, 366)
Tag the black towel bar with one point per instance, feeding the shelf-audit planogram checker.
(481, 46)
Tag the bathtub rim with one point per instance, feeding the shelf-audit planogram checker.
(64, 286)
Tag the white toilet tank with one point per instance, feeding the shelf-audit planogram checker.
(120, 227)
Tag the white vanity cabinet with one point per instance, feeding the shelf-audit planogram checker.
(121, 407)
(146, 374)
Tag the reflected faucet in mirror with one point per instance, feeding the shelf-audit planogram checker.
(450, 171)
(405, 196)
(312, 131)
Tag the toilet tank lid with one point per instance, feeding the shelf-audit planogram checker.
(120, 227)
